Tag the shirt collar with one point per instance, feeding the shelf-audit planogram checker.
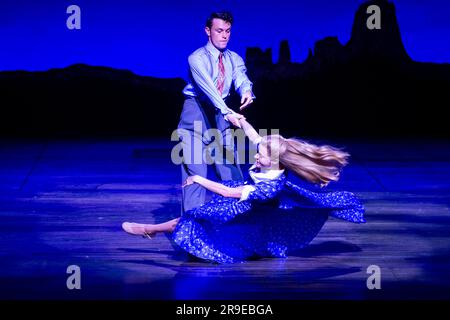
(264, 174)
(214, 51)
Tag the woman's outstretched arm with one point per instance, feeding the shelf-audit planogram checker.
(250, 132)
(214, 186)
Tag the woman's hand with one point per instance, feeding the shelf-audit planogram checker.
(190, 180)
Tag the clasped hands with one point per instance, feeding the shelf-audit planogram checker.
(235, 118)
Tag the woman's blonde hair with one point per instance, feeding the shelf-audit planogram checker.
(316, 164)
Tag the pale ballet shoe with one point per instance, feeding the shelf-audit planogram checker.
(137, 229)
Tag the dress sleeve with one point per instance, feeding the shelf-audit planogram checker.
(246, 191)
(266, 190)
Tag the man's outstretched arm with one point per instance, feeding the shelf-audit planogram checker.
(206, 84)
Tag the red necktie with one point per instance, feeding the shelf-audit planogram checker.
(221, 77)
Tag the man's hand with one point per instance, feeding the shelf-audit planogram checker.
(234, 118)
(246, 100)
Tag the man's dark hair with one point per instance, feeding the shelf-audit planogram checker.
(226, 16)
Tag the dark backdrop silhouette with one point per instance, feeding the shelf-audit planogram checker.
(368, 87)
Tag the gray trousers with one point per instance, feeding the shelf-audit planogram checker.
(202, 114)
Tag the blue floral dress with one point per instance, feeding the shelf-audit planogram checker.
(274, 216)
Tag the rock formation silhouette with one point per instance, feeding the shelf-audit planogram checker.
(385, 42)
(284, 56)
(368, 87)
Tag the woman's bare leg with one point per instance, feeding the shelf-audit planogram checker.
(150, 229)
(167, 226)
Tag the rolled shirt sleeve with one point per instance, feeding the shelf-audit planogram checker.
(240, 79)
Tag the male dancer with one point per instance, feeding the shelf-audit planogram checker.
(213, 69)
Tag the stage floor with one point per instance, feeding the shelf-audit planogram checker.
(62, 203)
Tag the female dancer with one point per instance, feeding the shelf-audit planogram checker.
(268, 216)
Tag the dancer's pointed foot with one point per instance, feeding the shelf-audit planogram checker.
(138, 229)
